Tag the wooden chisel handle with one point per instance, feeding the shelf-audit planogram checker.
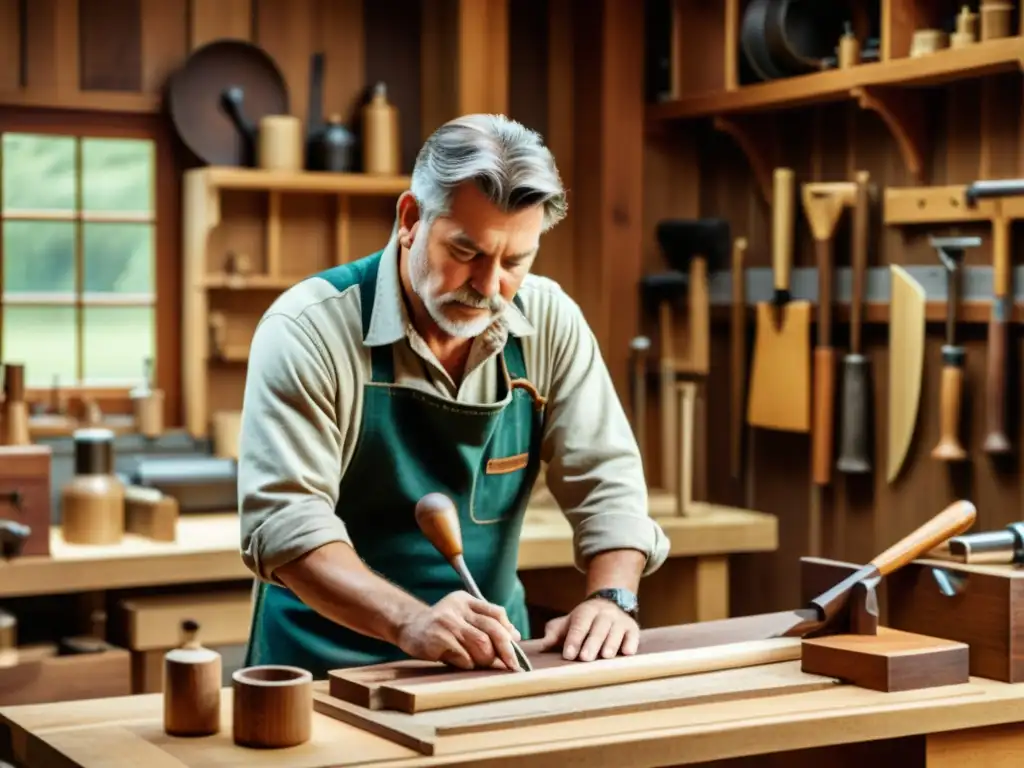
(949, 447)
(738, 356)
(950, 522)
(824, 373)
(996, 440)
(783, 191)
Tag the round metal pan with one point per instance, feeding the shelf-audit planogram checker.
(782, 38)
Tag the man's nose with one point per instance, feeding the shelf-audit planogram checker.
(487, 278)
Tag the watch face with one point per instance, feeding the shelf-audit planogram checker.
(623, 598)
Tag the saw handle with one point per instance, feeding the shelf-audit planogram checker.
(783, 191)
(951, 386)
(996, 440)
(952, 521)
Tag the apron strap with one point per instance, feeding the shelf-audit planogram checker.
(515, 359)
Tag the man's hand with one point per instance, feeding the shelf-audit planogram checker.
(462, 631)
(595, 628)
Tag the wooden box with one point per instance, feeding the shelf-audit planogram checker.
(25, 470)
(987, 613)
(38, 675)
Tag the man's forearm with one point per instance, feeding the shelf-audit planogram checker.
(334, 582)
(615, 568)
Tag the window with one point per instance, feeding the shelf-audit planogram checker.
(77, 258)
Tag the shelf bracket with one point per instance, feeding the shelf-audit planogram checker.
(757, 138)
(903, 112)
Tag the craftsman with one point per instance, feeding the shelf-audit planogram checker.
(439, 364)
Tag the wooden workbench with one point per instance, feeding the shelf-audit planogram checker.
(972, 724)
(693, 584)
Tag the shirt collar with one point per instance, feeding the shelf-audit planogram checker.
(389, 321)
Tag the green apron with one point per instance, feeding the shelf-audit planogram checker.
(484, 457)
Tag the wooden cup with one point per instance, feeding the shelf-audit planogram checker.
(273, 706)
(192, 677)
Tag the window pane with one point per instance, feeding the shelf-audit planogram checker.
(39, 256)
(118, 258)
(43, 340)
(38, 172)
(117, 175)
(117, 342)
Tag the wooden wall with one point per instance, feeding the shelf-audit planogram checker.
(572, 69)
(692, 170)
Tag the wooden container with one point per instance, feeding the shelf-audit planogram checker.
(150, 513)
(281, 143)
(92, 503)
(995, 19)
(14, 427)
(37, 675)
(25, 492)
(192, 676)
(273, 706)
(987, 613)
(381, 148)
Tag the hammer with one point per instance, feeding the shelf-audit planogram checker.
(437, 518)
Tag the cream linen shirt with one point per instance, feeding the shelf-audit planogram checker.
(303, 403)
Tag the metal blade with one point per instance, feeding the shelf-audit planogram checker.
(740, 629)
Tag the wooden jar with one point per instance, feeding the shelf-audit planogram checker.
(280, 143)
(192, 676)
(273, 706)
(14, 425)
(995, 19)
(92, 503)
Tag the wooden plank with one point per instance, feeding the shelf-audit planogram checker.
(438, 67)
(10, 45)
(109, 37)
(51, 46)
(284, 29)
(338, 27)
(483, 56)
(426, 731)
(224, 18)
(164, 41)
(422, 695)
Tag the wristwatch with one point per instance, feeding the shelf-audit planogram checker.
(623, 598)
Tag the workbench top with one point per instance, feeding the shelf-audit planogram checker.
(208, 550)
(127, 732)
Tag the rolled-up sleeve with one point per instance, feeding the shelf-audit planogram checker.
(594, 469)
(289, 461)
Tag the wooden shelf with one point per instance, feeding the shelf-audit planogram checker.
(221, 177)
(946, 66)
(249, 282)
(891, 89)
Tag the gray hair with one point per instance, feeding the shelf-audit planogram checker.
(507, 161)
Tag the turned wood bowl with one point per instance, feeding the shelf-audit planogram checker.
(273, 706)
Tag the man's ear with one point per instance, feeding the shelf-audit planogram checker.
(408, 219)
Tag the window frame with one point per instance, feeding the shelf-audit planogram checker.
(167, 239)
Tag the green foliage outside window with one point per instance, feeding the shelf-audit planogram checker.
(78, 283)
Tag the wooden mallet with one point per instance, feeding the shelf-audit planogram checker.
(439, 520)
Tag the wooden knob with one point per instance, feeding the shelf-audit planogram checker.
(439, 520)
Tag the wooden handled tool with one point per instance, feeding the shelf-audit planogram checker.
(996, 440)
(854, 420)
(639, 347)
(780, 392)
(737, 357)
(439, 520)
(907, 307)
(949, 448)
(823, 206)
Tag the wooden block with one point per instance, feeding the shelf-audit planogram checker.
(987, 614)
(889, 661)
(25, 469)
(154, 518)
(39, 675)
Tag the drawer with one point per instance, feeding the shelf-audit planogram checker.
(151, 622)
(38, 675)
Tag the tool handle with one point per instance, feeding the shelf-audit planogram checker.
(853, 426)
(859, 257)
(950, 399)
(737, 357)
(953, 520)
(439, 521)
(996, 440)
(823, 250)
(821, 429)
(782, 229)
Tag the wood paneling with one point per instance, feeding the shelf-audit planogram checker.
(164, 40)
(10, 45)
(528, 66)
(51, 46)
(224, 18)
(392, 40)
(109, 38)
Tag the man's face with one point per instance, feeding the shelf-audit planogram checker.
(470, 263)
